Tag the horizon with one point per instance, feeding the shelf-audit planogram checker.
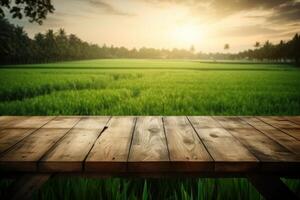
(171, 24)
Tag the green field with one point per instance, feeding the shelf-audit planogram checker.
(149, 87)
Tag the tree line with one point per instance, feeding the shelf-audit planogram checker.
(288, 51)
(16, 47)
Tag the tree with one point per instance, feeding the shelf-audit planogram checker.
(17, 47)
(295, 49)
(35, 10)
(226, 47)
(257, 45)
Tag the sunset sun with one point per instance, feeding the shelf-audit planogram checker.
(187, 34)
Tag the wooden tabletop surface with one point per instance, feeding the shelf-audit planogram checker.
(149, 144)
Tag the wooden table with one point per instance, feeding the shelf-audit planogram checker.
(263, 149)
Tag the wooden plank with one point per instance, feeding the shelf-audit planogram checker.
(232, 122)
(279, 122)
(257, 123)
(92, 122)
(187, 153)
(228, 153)
(284, 125)
(24, 155)
(282, 138)
(110, 152)
(294, 132)
(295, 119)
(149, 152)
(63, 122)
(8, 121)
(9, 137)
(33, 122)
(204, 122)
(69, 153)
(273, 156)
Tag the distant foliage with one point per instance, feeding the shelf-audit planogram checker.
(283, 52)
(16, 47)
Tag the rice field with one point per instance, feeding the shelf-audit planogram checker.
(112, 87)
(149, 87)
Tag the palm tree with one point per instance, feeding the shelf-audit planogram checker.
(257, 45)
(226, 47)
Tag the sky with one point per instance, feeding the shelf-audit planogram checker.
(205, 24)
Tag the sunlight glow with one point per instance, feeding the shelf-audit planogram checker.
(188, 34)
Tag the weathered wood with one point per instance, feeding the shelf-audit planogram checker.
(228, 153)
(295, 119)
(62, 122)
(271, 187)
(204, 122)
(25, 186)
(149, 151)
(294, 132)
(257, 123)
(187, 152)
(8, 121)
(282, 138)
(192, 149)
(279, 122)
(24, 155)
(69, 153)
(273, 156)
(92, 122)
(110, 152)
(32, 122)
(232, 122)
(9, 137)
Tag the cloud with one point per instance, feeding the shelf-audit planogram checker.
(108, 8)
(250, 30)
(288, 12)
(282, 10)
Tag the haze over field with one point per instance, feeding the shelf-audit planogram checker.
(206, 24)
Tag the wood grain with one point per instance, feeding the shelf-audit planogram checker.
(295, 119)
(228, 153)
(68, 155)
(232, 122)
(110, 152)
(272, 155)
(279, 122)
(204, 122)
(149, 151)
(257, 123)
(8, 121)
(9, 137)
(24, 155)
(32, 122)
(187, 153)
(62, 122)
(92, 122)
(149, 145)
(280, 137)
(294, 132)
(284, 125)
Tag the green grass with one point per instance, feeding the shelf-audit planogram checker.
(224, 89)
(149, 87)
